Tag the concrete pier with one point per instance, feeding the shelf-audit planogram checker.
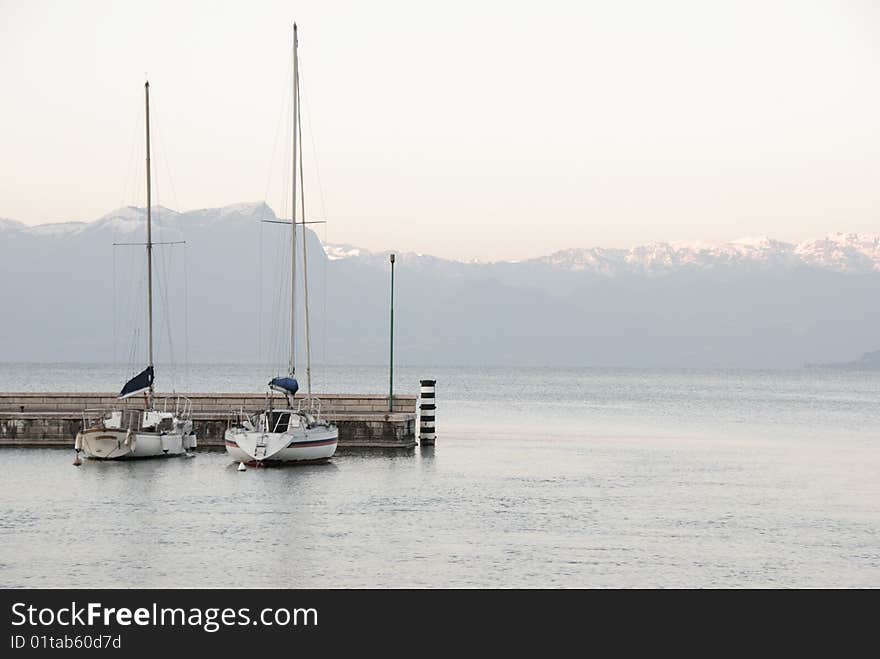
(53, 419)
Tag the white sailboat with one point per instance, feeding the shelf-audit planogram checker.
(294, 433)
(163, 428)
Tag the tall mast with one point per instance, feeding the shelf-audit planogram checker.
(292, 364)
(149, 247)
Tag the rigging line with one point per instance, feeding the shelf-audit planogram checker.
(305, 274)
(169, 263)
(134, 342)
(135, 275)
(314, 150)
(166, 291)
(171, 355)
(277, 288)
(186, 315)
(278, 319)
(119, 302)
(285, 329)
(164, 281)
(131, 158)
(115, 310)
(278, 323)
(161, 144)
(272, 259)
(128, 322)
(157, 231)
(165, 295)
(260, 295)
(139, 265)
(136, 282)
(282, 318)
(260, 238)
(271, 311)
(323, 214)
(281, 114)
(162, 272)
(294, 97)
(286, 153)
(153, 347)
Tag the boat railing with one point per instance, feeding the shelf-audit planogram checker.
(239, 419)
(179, 405)
(310, 405)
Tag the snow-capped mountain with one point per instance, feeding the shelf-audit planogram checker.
(337, 252)
(844, 252)
(839, 252)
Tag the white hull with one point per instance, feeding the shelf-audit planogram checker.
(124, 445)
(299, 445)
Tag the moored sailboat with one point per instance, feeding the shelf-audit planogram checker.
(162, 428)
(296, 432)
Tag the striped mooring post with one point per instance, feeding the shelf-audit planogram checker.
(427, 410)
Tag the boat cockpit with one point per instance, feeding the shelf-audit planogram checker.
(278, 421)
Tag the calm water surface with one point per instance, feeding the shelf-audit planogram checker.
(554, 478)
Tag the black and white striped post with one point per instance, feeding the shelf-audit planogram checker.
(427, 411)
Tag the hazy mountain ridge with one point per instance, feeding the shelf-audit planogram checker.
(131, 219)
(70, 295)
(869, 361)
(838, 252)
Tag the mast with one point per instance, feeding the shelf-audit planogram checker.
(149, 248)
(291, 368)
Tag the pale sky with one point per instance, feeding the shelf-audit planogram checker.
(463, 129)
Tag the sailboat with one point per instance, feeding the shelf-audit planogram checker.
(295, 432)
(163, 428)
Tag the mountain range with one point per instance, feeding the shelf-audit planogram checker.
(69, 294)
(838, 252)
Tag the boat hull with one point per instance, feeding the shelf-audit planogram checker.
(310, 445)
(103, 444)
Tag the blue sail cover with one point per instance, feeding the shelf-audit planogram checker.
(284, 385)
(140, 382)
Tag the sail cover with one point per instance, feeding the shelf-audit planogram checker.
(284, 385)
(140, 382)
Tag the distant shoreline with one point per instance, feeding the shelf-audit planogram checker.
(870, 361)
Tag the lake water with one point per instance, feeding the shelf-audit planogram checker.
(540, 477)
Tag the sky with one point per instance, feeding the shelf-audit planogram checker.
(473, 130)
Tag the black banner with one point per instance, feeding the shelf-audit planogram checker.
(415, 621)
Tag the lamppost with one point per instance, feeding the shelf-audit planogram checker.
(391, 346)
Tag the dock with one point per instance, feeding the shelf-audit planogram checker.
(54, 419)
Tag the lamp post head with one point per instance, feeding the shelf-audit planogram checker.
(392, 258)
